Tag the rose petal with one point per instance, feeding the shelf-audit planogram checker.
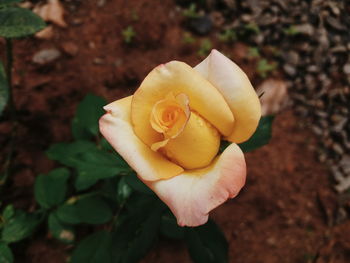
(196, 146)
(178, 77)
(178, 108)
(193, 194)
(116, 127)
(238, 92)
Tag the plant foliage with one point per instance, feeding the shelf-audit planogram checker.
(96, 188)
(18, 22)
(261, 136)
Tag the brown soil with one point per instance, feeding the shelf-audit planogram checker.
(285, 212)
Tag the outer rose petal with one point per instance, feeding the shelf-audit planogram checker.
(178, 77)
(193, 194)
(238, 92)
(116, 127)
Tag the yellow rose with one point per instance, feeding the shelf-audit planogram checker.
(169, 132)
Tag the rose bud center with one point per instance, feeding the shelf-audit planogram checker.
(188, 139)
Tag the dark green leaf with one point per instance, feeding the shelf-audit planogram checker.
(109, 190)
(90, 210)
(59, 230)
(135, 183)
(4, 3)
(169, 227)
(141, 203)
(8, 212)
(5, 253)
(123, 191)
(3, 88)
(136, 234)
(20, 226)
(50, 190)
(85, 122)
(96, 165)
(68, 153)
(93, 210)
(207, 244)
(106, 145)
(67, 213)
(96, 248)
(19, 22)
(91, 163)
(261, 136)
(223, 146)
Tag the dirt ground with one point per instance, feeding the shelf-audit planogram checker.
(286, 211)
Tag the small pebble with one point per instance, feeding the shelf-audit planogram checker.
(346, 69)
(289, 69)
(70, 48)
(46, 56)
(98, 61)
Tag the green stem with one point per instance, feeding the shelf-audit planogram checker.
(11, 105)
(115, 218)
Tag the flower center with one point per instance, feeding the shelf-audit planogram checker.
(189, 140)
(170, 115)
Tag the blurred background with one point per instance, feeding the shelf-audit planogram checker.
(295, 206)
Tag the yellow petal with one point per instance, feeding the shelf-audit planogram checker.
(116, 127)
(193, 194)
(238, 92)
(177, 77)
(196, 146)
(170, 115)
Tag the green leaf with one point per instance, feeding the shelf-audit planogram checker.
(105, 145)
(3, 88)
(169, 227)
(96, 248)
(67, 213)
(93, 210)
(261, 136)
(6, 255)
(19, 227)
(128, 34)
(207, 244)
(223, 146)
(8, 212)
(59, 230)
(136, 234)
(92, 164)
(109, 190)
(135, 183)
(96, 165)
(85, 122)
(68, 153)
(124, 190)
(50, 190)
(19, 22)
(90, 210)
(264, 67)
(4, 3)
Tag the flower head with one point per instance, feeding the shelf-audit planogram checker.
(170, 130)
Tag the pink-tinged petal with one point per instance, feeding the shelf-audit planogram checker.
(238, 92)
(116, 127)
(193, 194)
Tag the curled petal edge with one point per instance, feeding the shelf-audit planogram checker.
(238, 92)
(193, 194)
(116, 127)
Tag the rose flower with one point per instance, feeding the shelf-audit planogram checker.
(170, 130)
